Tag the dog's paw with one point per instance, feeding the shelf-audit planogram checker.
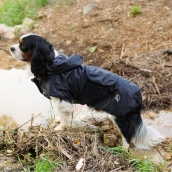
(60, 127)
(57, 119)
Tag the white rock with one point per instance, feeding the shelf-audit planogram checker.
(22, 28)
(7, 32)
(88, 8)
(27, 22)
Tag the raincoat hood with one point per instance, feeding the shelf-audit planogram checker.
(63, 63)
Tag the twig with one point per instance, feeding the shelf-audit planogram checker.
(32, 119)
(168, 65)
(84, 158)
(160, 152)
(123, 52)
(99, 162)
(153, 78)
(27, 122)
(59, 149)
(117, 169)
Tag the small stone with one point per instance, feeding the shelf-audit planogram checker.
(68, 42)
(109, 139)
(88, 8)
(27, 22)
(105, 128)
(167, 156)
(151, 115)
(22, 28)
(7, 32)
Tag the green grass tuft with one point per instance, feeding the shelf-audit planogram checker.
(143, 165)
(14, 11)
(135, 10)
(45, 164)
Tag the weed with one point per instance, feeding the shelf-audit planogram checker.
(135, 10)
(14, 11)
(142, 165)
(43, 164)
(118, 150)
(62, 3)
(92, 49)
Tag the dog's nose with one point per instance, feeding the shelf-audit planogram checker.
(12, 49)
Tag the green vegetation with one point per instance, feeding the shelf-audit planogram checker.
(135, 10)
(14, 11)
(142, 165)
(41, 164)
(62, 3)
(92, 49)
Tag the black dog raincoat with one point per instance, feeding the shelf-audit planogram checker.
(69, 79)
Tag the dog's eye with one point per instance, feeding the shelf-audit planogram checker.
(22, 47)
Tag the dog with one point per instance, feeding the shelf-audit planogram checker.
(67, 81)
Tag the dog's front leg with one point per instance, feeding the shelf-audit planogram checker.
(65, 110)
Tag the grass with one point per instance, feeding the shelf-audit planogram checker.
(40, 164)
(62, 3)
(14, 11)
(43, 164)
(135, 10)
(140, 164)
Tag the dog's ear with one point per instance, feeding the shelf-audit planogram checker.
(42, 57)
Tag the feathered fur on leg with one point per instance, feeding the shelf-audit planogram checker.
(65, 110)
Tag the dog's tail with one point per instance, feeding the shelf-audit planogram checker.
(146, 136)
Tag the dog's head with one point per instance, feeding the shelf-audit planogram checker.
(37, 51)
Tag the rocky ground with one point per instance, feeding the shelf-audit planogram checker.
(103, 32)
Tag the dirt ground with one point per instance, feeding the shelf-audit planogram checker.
(133, 47)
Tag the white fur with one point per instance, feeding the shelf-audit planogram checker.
(17, 53)
(25, 35)
(65, 110)
(147, 137)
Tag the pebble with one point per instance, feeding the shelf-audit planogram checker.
(88, 8)
(167, 156)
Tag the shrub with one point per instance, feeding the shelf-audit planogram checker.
(14, 11)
